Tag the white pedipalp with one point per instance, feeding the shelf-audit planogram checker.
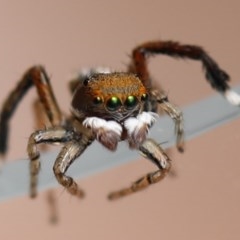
(135, 124)
(96, 123)
(232, 97)
(131, 124)
(147, 117)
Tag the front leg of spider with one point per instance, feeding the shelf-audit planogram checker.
(175, 113)
(74, 145)
(153, 152)
(68, 154)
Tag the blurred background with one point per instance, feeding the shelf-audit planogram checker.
(202, 200)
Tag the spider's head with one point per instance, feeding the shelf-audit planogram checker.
(111, 96)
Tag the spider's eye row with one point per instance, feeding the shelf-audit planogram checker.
(131, 102)
(97, 100)
(113, 103)
(85, 82)
(144, 97)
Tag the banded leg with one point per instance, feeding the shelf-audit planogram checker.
(40, 121)
(153, 152)
(176, 114)
(214, 74)
(68, 154)
(35, 76)
(53, 135)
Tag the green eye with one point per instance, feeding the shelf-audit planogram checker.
(113, 103)
(144, 97)
(97, 100)
(131, 102)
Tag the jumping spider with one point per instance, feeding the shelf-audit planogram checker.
(109, 107)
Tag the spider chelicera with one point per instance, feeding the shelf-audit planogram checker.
(109, 107)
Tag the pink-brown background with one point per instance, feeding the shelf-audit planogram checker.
(202, 201)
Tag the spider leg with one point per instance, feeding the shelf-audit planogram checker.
(176, 114)
(68, 154)
(52, 204)
(35, 76)
(214, 74)
(41, 120)
(52, 135)
(153, 152)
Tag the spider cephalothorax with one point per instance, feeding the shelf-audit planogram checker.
(113, 108)
(109, 107)
(112, 96)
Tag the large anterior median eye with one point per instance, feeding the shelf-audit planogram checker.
(131, 102)
(113, 103)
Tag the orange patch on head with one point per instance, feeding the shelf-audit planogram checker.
(120, 85)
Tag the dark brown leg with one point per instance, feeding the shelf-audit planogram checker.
(34, 76)
(216, 77)
(152, 151)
